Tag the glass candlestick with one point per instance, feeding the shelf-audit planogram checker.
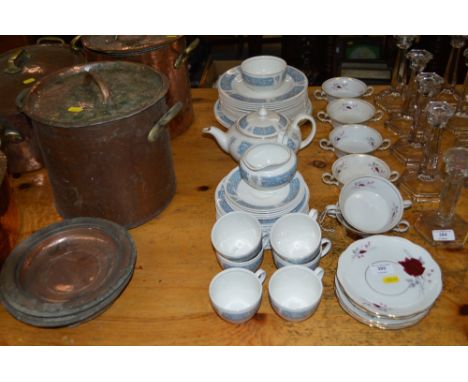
(443, 227)
(400, 123)
(448, 93)
(458, 124)
(425, 184)
(391, 99)
(409, 150)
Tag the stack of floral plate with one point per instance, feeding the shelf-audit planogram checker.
(387, 282)
(236, 98)
(234, 194)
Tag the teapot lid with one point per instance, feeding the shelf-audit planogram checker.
(262, 123)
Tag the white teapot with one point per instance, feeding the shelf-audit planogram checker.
(259, 127)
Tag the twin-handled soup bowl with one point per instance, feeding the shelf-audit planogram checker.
(236, 294)
(263, 73)
(345, 111)
(295, 291)
(268, 165)
(354, 139)
(371, 204)
(354, 165)
(343, 87)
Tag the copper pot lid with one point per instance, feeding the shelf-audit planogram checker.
(67, 272)
(95, 93)
(21, 67)
(126, 44)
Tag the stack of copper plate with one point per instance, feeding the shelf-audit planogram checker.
(68, 272)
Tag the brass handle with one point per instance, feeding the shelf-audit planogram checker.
(15, 61)
(103, 88)
(9, 133)
(41, 40)
(163, 121)
(183, 57)
(73, 43)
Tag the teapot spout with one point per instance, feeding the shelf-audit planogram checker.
(219, 135)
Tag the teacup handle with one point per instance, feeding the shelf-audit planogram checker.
(369, 91)
(313, 213)
(305, 117)
(394, 176)
(320, 94)
(319, 272)
(326, 245)
(325, 144)
(402, 226)
(386, 143)
(260, 275)
(407, 204)
(331, 210)
(377, 116)
(328, 178)
(322, 116)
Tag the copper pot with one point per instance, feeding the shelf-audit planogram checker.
(101, 129)
(19, 69)
(167, 54)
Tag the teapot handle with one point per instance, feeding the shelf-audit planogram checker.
(295, 123)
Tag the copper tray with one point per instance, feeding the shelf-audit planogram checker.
(67, 272)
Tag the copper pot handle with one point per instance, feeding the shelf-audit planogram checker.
(103, 88)
(16, 61)
(74, 42)
(183, 57)
(8, 133)
(41, 40)
(163, 121)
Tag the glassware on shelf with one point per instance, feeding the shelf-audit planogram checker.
(458, 124)
(401, 122)
(425, 184)
(391, 99)
(448, 93)
(409, 150)
(443, 227)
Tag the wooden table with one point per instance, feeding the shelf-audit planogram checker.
(166, 302)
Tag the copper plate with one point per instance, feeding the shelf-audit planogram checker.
(68, 271)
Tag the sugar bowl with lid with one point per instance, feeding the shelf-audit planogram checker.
(262, 126)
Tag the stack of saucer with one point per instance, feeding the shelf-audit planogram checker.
(387, 282)
(266, 185)
(246, 88)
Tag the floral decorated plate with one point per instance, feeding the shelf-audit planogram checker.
(389, 276)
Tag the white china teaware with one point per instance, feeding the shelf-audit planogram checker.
(354, 139)
(346, 111)
(237, 236)
(268, 166)
(262, 126)
(295, 291)
(297, 238)
(343, 87)
(236, 294)
(252, 264)
(371, 204)
(314, 263)
(351, 166)
(263, 72)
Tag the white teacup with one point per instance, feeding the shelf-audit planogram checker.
(236, 294)
(346, 111)
(354, 139)
(371, 204)
(313, 264)
(297, 238)
(237, 236)
(252, 265)
(263, 72)
(295, 291)
(268, 165)
(343, 87)
(354, 165)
